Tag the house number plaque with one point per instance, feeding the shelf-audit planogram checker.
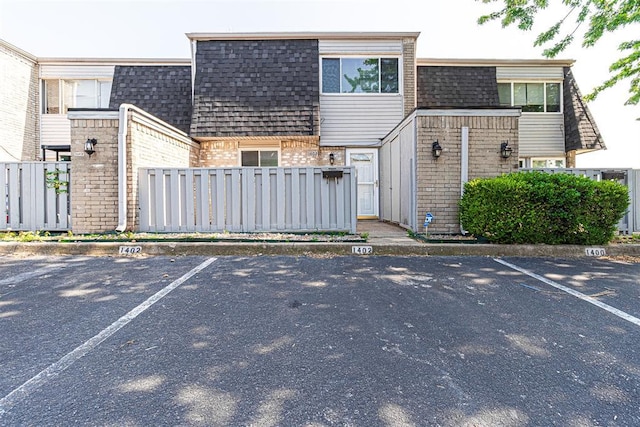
(130, 250)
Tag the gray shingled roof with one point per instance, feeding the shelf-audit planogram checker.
(164, 91)
(256, 88)
(457, 87)
(580, 129)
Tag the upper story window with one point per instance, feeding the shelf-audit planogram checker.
(60, 95)
(360, 75)
(532, 97)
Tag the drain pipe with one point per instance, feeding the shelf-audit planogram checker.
(122, 166)
(464, 165)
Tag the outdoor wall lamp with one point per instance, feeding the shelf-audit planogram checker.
(89, 146)
(505, 150)
(436, 149)
(332, 158)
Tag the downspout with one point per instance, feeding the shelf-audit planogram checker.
(122, 166)
(464, 165)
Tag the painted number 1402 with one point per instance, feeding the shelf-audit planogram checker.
(362, 250)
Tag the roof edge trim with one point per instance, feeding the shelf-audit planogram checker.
(302, 35)
(477, 62)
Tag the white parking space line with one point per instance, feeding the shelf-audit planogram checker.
(30, 274)
(621, 314)
(56, 368)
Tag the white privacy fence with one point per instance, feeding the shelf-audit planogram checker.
(630, 223)
(247, 199)
(35, 195)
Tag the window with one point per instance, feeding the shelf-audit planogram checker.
(548, 163)
(360, 75)
(259, 158)
(60, 95)
(531, 97)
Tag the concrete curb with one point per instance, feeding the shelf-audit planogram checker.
(305, 249)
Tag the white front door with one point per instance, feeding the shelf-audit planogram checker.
(366, 164)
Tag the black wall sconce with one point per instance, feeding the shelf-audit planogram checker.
(436, 149)
(89, 146)
(505, 150)
(332, 158)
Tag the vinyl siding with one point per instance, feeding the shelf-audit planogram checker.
(354, 47)
(541, 135)
(358, 119)
(55, 129)
(76, 71)
(529, 73)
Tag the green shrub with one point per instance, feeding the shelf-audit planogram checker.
(538, 207)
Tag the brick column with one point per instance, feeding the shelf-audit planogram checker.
(94, 179)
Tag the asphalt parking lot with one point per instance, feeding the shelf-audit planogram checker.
(319, 341)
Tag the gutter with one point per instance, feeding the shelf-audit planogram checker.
(122, 166)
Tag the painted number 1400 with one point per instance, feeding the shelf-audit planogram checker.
(595, 252)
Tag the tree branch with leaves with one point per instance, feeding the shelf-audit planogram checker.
(600, 16)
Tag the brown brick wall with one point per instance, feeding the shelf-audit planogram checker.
(94, 179)
(293, 152)
(19, 106)
(409, 74)
(439, 186)
(150, 143)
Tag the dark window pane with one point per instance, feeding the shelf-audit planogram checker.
(330, 75)
(529, 96)
(553, 97)
(389, 75)
(268, 159)
(360, 75)
(504, 94)
(250, 158)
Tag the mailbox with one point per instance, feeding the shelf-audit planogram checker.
(332, 174)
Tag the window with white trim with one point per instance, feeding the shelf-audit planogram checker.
(545, 97)
(360, 75)
(259, 158)
(548, 163)
(60, 95)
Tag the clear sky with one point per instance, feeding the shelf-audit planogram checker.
(156, 29)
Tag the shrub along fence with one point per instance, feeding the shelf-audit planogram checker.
(537, 207)
(248, 199)
(630, 223)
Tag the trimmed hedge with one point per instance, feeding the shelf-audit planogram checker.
(538, 207)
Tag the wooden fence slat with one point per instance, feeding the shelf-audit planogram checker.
(160, 203)
(324, 201)
(219, 197)
(144, 199)
(340, 204)
(190, 195)
(280, 199)
(296, 222)
(311, 195)
(4, 196)
(266, 199)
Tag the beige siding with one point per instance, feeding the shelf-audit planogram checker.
(18, 105)
(530, 73)
(354, 47)
(358, 119)
(541, 135)
(55, 129)
(76, 71)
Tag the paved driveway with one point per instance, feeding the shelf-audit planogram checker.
(357, 341)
